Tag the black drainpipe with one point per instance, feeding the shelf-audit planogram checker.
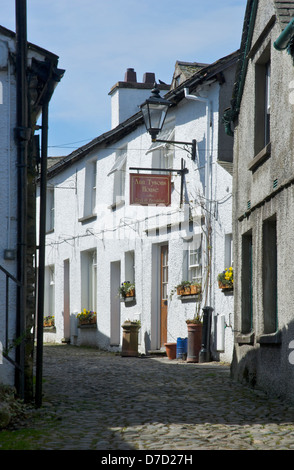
(42, 237)
(22, 134)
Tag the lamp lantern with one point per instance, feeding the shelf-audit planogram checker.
(154, 111)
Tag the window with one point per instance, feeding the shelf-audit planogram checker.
(89, 280)
(90, 189)
(130, 266)
(262, 101)
(269, 273)
(50, 210)
(267, 106)
(119, 171)
(228, 250)
(246, 283)
(195, 263)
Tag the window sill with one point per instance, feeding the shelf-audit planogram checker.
(260, 158)
(87, 326)
(247, 338)
(128, 300)
(117, 205)
(272, 338)
(49, 329)
(88, 218)
(190, 297)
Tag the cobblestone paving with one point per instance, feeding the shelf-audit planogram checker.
(95, 400)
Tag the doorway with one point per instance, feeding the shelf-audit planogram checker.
(66, 301)
(163, 293)
(114, 304)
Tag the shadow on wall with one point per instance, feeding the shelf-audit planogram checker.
(267, 366)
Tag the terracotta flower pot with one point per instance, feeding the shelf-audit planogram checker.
(130, 339)
(194, 341)
(171, 350)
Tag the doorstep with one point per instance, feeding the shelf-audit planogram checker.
(157, 352)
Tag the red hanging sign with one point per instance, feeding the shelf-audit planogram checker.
(148, 190)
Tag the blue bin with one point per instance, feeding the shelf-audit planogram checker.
(182, 345)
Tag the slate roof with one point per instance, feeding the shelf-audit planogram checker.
(184, 71)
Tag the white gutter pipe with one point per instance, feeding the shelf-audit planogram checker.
(208, 165)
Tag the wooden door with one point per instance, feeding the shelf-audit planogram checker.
(163, 293)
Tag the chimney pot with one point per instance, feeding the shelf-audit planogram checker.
(130, 75)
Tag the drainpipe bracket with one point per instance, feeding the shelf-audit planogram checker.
(22, 134)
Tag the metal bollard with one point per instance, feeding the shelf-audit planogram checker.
(204, 355)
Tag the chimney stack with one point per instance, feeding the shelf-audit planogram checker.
(126, 96)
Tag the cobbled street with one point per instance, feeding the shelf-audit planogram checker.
(95, 400)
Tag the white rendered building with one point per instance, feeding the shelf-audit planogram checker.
(96, 239)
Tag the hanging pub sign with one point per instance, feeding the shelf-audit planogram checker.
(151, 189)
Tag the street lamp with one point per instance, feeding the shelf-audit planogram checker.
(154, 111)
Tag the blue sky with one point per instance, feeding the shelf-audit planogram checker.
(97, 40)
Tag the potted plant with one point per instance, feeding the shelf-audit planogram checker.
(48, 321)
(184, 288)
(226, 279)
(194, 338)
(87, 317)
(196, 288)
(188, 288)
(127, 289)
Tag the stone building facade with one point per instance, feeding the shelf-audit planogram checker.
(261, 120)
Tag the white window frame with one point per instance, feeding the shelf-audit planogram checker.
(195, 265)
(89, 280)
(228, 250)
(119, 172)
(90, 189)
